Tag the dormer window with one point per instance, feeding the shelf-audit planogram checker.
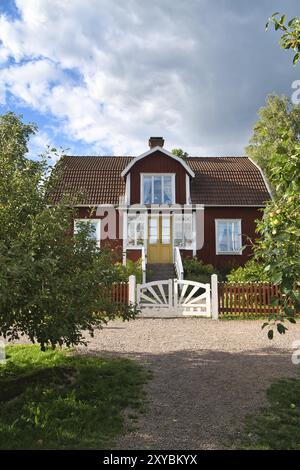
(158, 188)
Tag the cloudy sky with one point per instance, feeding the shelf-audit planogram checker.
(101, 76)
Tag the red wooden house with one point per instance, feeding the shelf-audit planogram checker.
(158, 206)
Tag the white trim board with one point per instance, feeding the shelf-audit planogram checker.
(263, 177)
(162, 150)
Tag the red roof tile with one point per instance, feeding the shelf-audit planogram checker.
(218, 180)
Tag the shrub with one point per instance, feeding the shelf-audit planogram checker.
(196, 270)
(253, 271)
(132, 268)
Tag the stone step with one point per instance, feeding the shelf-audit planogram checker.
(160, 272)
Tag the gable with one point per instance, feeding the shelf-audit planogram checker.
(153, 153)
(157, 162)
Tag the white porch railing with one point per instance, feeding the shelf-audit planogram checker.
(144, 265)
(178, 264)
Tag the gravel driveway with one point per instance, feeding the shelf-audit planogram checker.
(206, 376)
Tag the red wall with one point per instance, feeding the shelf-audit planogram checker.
(134, 255)
(157, 163)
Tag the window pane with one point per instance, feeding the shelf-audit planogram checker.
(153, 230)
(94, 234)
(157, 190)
(234, 241)
(139, 232)
(222, 236)
(188, 230)
(131, 231)
(178, 230)
(147, 190)
(167, 196)
(166, 227)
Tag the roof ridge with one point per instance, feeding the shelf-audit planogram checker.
(134, 156)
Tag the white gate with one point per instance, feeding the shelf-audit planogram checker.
(155, 295)
(181, 297)
(192, 298)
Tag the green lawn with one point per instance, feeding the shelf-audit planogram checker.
(278, 425)
(56, 400)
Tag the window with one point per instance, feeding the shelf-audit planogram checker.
(95, 225)
(228, 236)
(184, 234)
(158, 189)
(135, 230)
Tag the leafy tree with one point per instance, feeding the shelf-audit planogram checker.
(290, 38)
(278, 246)
(180, 153)
(52, 285)
(278, 116)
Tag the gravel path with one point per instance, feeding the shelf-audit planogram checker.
(206, 376)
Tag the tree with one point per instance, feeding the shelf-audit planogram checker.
(278, 246)
(290, 38)
(52, 285)
(278, 116)
(180, 153)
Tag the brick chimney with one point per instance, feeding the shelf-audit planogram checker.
(156, 142)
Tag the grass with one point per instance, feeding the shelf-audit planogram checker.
(277, 426)
(56, 400)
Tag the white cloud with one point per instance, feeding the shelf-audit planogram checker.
(113, 72)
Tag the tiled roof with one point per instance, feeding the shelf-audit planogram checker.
(227, 181)
(97, 180)
(218, 180)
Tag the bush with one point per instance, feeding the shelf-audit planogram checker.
(196, 270)
(131, 268)
(253, 271)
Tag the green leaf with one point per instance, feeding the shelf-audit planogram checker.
(264, 325)
(282, 19)
(296, 58)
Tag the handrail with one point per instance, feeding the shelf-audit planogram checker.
(178, 264)
(144, 264)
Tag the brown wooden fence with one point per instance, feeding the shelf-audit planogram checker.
(119, 293)
(248, 300)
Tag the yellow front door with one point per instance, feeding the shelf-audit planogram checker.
(160, 248)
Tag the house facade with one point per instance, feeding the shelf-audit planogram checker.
(158, 206)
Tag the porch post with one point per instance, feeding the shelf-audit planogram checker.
(214, 297)
(131, 289)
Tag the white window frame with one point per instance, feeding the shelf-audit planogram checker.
(239, 252)
(191, 247)
(135, 246)
(152, 175)
(98, 228)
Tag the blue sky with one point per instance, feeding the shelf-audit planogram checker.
(100, 77)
